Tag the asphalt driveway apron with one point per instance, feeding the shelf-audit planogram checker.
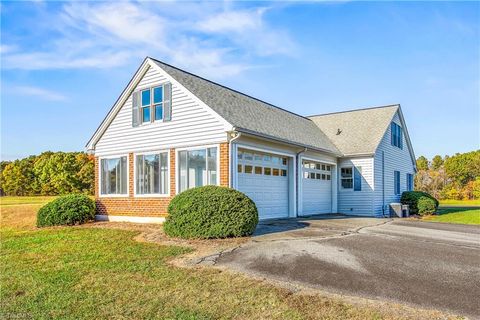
(431, 265)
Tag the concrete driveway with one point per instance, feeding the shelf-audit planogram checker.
(426, 264)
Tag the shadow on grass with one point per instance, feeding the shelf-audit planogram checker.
(446, 210)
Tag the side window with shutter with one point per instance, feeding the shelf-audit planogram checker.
(167, 101)
(135, 109)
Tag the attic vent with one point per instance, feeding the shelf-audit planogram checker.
(339, 131)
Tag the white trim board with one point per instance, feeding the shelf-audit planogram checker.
(133, 219)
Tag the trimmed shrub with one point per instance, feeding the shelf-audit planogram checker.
(67, 210)
(419, 202)
(211, 212)
(426, 206)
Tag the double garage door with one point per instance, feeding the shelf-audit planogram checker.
(316, 187)
(264, 178)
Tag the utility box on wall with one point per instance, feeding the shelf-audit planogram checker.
(396, 210)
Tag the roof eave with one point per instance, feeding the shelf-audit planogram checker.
(356, 155)
(266, 136)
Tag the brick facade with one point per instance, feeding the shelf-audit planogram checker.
(149, 206)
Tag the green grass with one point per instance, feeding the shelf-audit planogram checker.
(456, 215)
(99, 273)
(460, 203)
(7, 201)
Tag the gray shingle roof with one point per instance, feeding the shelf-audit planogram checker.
(252, 115)
(361, 130)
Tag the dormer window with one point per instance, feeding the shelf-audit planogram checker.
(152, 104)
(146, 97)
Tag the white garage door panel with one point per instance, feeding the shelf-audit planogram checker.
(317, 197)
(316, 188)
(268, 191)
(270, 195)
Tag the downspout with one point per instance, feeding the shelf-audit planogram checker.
(232, 160)
(383, 183)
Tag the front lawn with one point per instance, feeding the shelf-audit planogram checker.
(85, 272)
(456, 215)
(460, 203)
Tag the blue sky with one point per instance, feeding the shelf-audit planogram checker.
(64, 64)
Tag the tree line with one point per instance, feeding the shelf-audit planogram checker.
(451, 177)
(56, 173)
(50, 173)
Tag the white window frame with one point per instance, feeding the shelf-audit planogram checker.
(177, 163)
(321, 162)
(116, 195)
(150, 195)
(341, 178)
(152, 116)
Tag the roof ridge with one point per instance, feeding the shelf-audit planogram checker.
(228, 88)
(354, 110)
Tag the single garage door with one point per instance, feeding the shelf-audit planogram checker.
(264, 178)
(316, 187)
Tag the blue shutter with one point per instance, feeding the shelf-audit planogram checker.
(400, 137)
(410, 182)
(392, 133)
(357, 179)
(396, 182)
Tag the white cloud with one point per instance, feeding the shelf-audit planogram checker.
(233, 21)
(248, 28)
(7, 48)
(210, 39)
(38, 92)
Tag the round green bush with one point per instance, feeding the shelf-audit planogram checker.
(211, 212)
(419, 202)
(426, 206)
(66, 210)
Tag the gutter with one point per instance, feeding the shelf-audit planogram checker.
(253, 133)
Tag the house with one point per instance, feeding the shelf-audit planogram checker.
(171, 130)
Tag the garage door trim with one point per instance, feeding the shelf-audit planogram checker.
(300, 182)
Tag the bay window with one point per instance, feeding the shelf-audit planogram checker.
(113, 176)
(197, 168)
(151, 174)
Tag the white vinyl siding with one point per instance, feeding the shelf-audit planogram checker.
(191, 124)
(357, 202)
(396, 159)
